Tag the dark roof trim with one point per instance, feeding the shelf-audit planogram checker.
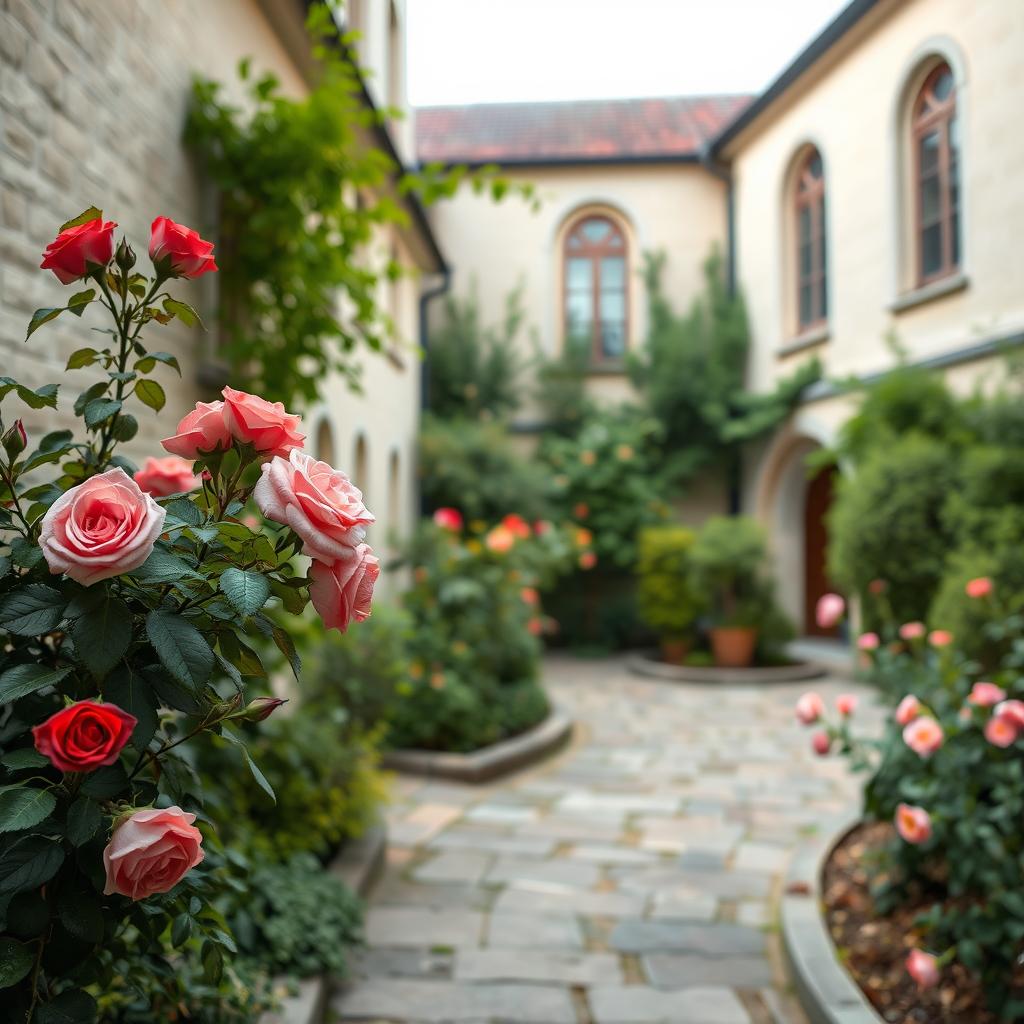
(818, 47)
(570, 161)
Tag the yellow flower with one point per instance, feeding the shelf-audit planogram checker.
(474, 547)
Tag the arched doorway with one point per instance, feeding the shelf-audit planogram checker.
(817, 502)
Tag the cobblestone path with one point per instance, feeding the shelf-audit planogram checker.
(630, 880)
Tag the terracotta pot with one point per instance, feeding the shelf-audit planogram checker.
(674, 652)
(733, 646)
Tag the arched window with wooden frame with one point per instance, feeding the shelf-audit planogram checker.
(936, 148)
(811, 243)
(596, 287)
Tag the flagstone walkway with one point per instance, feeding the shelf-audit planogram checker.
(630, 880)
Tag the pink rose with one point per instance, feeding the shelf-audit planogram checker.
(868, 641)
(151, 852)
(587, 560)
(342, 590)
(985, 695)
(846, 704)
(980, 587)
(1012, 711)
(923, 968)
(940, 638)
(168, 475)
(909, 708)
(202, 431)
(1001, 732)
(187, 254)
(68, 254)
(102, 528)
(809, 708)
(530, 596)
(318, 502)
(924, 736)
(912, 630)
(821, 743)
(914, 824)
(829, 610)
(448, 519)
(264, 425)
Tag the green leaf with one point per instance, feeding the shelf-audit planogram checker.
(25, 554)
(149, 361)
(261, 779)
(84, 819)
(172, 693)
(286, 646)
(129, 690)
(82, 914)
(126, 427)
(180, 647)
(91, 392)
(100, 409)
(247, 591)
(185, 511)
(42, 316)
(83, 218)
(81, 357)
(26, 757)
(181, 930)
(149, 392)
(32, 610)
(22, 680)
(213, 963)
(24, 807)
(28, 863)
(70, 1007)
(183, 311)
(163, 567)
(102, 635)
(16, 960)
(40, 398)
(105, 782)
(78, 302)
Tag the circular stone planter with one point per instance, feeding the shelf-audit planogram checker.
(489, 762)
(827, 993)
(648, 664)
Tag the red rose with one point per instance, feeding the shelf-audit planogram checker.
(187, 254)
(84, 736)
(68, 253)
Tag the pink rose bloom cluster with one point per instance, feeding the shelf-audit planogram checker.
(1006, 723)
(810, 709)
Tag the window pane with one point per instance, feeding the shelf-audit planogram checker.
(931, 250)
(594, 230)
(822, 299)
(613, 324)
(804, 224)
(930, 205)
(805, 304)
(805, 259)
(578, 275)
(579, 311)
(928, 152)
(814, 167)
(943, 84)
(954, 226)
(613, 273)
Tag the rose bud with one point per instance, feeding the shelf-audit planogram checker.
(125, 256)
(846, 704)
(829, 610)
(940, 638)
(151, 852)
(914, 824)
(821, 743)
(72, 252)
(980, 587)
(923, 968)
(261, 708)
(909, 708)
(168, 475)
(912, 630)
(178, 251)
(84, 736)
(15, 440)
(809, 708)
(924, 736)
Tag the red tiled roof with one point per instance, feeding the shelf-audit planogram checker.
(578, 130)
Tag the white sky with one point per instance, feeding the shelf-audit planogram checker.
(485, 51)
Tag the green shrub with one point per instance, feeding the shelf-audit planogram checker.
(296, 919)
(887, 523)
(667, 598)
(473, 466)
(729, 563)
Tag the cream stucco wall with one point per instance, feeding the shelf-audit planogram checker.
(853, 110)
(678, 208)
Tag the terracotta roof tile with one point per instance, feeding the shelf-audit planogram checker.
(575, 130)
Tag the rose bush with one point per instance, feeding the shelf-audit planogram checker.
(133, 604)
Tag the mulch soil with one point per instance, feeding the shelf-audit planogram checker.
(874, 949)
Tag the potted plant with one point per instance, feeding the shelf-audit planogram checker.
(668, 600)
(728, 561)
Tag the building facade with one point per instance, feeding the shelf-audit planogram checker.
(869, 194)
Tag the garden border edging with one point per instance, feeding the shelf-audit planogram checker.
(826, 991)
(490, 762)
(359, 866)
(644, 664)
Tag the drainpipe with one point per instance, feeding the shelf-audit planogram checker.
(425, 299)
(721, 171)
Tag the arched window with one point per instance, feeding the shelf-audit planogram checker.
(936, 147)
(361, 466)
(811, 268)
(596, 301)
(325, 442)
(394, 494)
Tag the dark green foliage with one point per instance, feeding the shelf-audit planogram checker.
(669, 602)
(475, 371)
(561, 389)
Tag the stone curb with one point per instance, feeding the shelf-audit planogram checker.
(490, 762)
(647, 665)
(826, 991)
(359, 865)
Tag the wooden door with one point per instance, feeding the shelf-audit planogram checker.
(818, 502)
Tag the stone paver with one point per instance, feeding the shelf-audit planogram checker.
(631, 880)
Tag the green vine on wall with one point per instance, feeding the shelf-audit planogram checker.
(299, 297)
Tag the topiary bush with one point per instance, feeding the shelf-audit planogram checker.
(667, 598)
